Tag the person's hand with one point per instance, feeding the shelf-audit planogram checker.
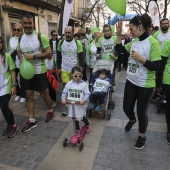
(135, 55)
(64, 101)
(159, 89)
(59, 71)
(119, 28)
(112, 55)
(98, 56)
(104, 91)
(82, 102)
(13, 90)
(29, 56)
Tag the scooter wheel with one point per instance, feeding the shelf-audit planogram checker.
(65, 142)
(81, 146)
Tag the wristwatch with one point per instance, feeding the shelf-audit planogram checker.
(14, 84)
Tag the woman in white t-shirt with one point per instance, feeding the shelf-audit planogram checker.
(12, 48)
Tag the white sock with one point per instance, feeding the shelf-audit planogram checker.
(32, 120)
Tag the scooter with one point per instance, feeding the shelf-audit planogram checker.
(77, 138)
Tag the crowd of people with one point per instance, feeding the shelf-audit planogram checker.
(145, 54)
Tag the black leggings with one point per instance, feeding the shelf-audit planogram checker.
(6, 111)
(143, 96)
(85, 120)
(20, 91)
(167, 113)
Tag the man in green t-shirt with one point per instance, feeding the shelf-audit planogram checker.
(30, 48)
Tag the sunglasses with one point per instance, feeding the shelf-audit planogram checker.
(17, 29)
(54, 34)
(77, 76)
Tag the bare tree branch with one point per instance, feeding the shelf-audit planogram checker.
(90, 13)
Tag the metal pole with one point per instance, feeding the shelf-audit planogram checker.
(3, 34)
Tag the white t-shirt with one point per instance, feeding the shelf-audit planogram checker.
(13, 43)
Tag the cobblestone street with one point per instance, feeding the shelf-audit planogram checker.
(107, 147)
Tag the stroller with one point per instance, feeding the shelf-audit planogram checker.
(108, 102)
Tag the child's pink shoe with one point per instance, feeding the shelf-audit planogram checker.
(88, 127)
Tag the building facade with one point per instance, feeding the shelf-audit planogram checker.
(45, 13)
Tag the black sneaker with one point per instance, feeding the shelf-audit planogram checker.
(29, 125)
(140, 142)
(168, 138)
(129, 125)
(50, 115)
(5, 132)
(12, 131)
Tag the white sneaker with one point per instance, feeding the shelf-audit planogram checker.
(54, 104)
(17, 98)
(22, 100)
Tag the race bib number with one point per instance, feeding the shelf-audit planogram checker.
(28, 52)
(133, 70)
(75, 95)
(99, 85)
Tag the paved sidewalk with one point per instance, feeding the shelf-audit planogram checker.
(107, 147)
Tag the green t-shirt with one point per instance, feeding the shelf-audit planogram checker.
(107, 46)
(29, 44)
(5, 75)
(161, 37)
(136, 72)
(166, 53)
(69, 52)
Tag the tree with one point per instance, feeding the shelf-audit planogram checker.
(95, 8)
(141, 6)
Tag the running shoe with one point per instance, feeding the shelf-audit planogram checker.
(49, 117)
(129, 125)
(88, 127)
(29, 125)
(65, 112)
(168, 138)
(98, 108)
(17, 98)
(12, 131)
(140, 143)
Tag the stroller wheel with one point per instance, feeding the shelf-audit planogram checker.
(65, 142)
(111, 104)
(104, 115)
(81, 146)
(108, 115)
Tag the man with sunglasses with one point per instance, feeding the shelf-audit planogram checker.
(35, 50)
(53, 43)
(164, 33)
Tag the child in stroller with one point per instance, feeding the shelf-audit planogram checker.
(100, 89)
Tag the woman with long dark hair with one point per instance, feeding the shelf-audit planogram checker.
(143, 62)
(7, 88)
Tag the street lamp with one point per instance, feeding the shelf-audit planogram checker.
(109, 17)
